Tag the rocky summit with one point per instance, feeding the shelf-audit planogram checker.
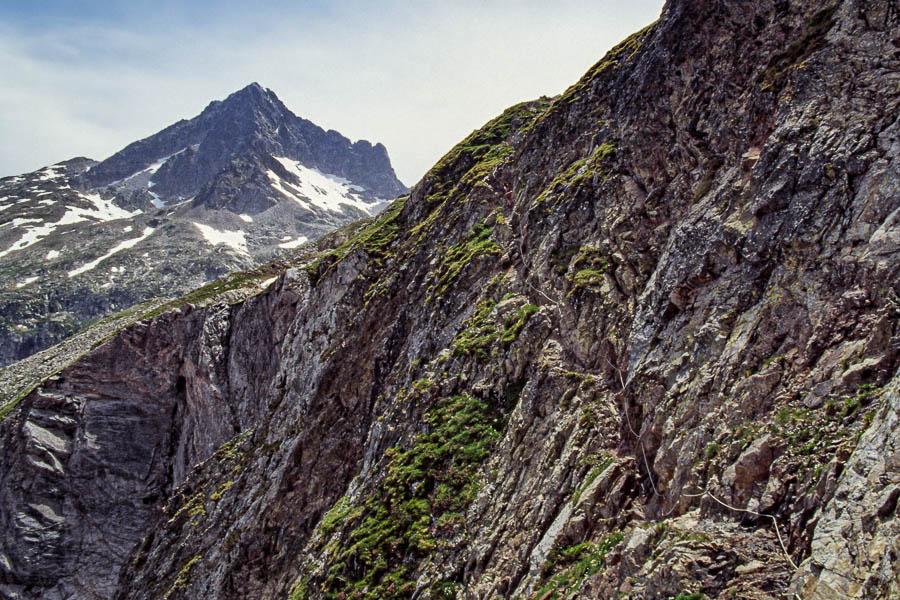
(636, 341)
(230, 189)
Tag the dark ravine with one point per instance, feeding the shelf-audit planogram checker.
(637, 341)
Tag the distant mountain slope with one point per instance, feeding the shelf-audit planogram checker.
(235, 186)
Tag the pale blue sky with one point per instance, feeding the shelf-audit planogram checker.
(86, 78)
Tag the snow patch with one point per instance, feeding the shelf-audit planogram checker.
(48, 174)
(31, 236)
(154, 199)
(153, 168)
(286, 189)
(128, 229)
(105, 210)
(118, 248)
(156, 166)
(102, 210)
(320, 189)
(246, 218)
(294, 243)
(232, 239)
(18, 222)
(52, 254)
(26, 282)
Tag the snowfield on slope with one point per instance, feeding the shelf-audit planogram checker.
(102, 210)
(294, 243)
(319, 189)
(118, 248)
(233, 239)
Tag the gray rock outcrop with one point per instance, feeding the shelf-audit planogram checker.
(636, 341)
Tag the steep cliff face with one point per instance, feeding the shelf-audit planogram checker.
(640, 341)
(83, 473)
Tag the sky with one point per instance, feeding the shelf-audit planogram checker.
(87, 78)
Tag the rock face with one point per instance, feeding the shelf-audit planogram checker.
(126, 448)
(227, 190)
(854, 550)
(637, 341)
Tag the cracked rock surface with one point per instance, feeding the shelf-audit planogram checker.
(639, 340)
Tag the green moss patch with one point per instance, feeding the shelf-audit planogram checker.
(480, 142)
(375, 238)
(581, 173)
(183, 577)
(620, 55)
(515, 322)
(417, 507)
(572, 565)
(468, 164)
(588, 268)
(481, 332)
(600, 463)
(476, 244)
(492, 159)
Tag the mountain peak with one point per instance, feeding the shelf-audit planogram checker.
(251, 123)
(249, 102)
(253, 93)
